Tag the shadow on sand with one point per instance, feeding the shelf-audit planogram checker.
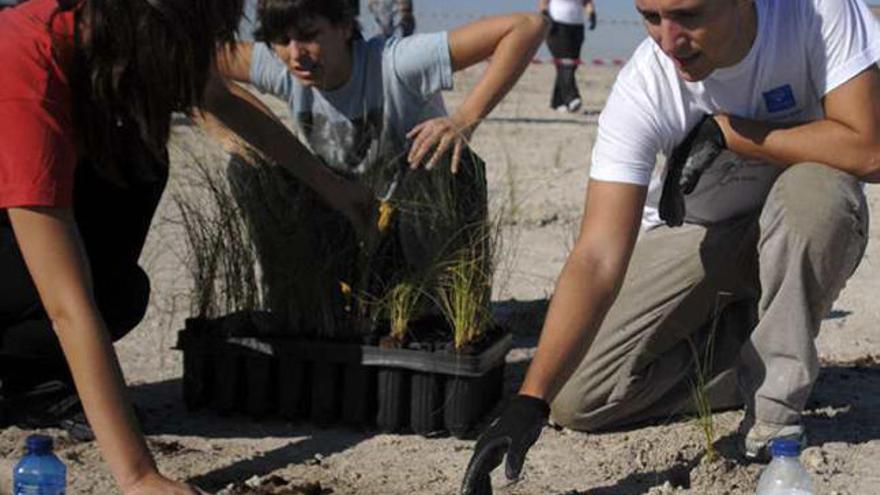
(165, 414)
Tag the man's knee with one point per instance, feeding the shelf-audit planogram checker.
(817, 203)
(567, 411)
(810, 195)
(575, 410)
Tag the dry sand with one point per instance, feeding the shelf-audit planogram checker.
(538, 161)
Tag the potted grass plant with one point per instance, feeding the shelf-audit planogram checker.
(393, 333)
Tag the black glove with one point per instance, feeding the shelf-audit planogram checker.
(513, 433)
(592, 24)
(686, 164)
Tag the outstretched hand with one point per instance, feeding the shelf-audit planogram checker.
(156, 484)
(512, 434)
(686, 164)
(435, 138)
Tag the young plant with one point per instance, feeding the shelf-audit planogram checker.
(705, 419)
(699, 383)
(401, 303)
(305, 248)
(220, 256)
(464, 293)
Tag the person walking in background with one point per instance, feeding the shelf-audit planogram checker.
(394, 17)
(564, 41)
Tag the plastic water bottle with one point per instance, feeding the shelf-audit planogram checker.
(785, 475)
(39, 472)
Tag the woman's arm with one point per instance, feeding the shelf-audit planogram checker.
(511, 41)
(237, 119)
(53, 252)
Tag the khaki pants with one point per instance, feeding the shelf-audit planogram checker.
(752, 292)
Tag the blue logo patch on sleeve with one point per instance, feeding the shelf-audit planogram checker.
(779, 99)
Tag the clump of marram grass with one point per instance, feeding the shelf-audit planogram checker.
(220, 257)
(705, 419)
(306, 249)
(400, 304)
(699, 385)
(464, 292)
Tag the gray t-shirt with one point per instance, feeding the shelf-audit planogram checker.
(395, 84)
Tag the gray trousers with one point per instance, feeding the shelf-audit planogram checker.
(748, 294)
(394, 17)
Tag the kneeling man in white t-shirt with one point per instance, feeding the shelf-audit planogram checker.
(766, 111)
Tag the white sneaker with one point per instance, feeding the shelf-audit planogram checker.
(562, 109)
(574, 105)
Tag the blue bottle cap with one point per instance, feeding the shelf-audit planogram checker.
(785, 447)
(38, 444)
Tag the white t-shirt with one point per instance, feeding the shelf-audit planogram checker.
(567, 11)
(803, 50)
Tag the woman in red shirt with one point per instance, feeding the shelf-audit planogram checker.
(86, 95)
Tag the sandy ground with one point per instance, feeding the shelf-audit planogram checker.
(538, 164)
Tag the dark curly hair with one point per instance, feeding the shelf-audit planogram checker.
(280, 20)
(139, 61)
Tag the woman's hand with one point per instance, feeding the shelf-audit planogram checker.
(156, 484)
(438, 135)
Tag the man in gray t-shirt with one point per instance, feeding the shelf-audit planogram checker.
(372, 111)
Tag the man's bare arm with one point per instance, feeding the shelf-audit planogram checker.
(588, 285)
(848, 138)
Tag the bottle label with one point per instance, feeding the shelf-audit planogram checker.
(22, 489)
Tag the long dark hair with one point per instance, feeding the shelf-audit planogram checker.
(136, 62)
(281, 19)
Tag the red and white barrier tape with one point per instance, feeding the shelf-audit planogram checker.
(472, 16)
(596, 62)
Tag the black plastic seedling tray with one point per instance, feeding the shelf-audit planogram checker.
(396, 390)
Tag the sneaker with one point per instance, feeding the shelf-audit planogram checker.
(756, 444)
(574, 105)
(52, 404)
(562, 109)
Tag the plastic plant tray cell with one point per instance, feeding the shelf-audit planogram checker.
(229, 388)
(262, 385)
(393, 398)
(293, 387)
(426, 405)
(359, 395)
(326, 393)
(198, 379)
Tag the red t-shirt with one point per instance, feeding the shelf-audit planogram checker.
(37, 150)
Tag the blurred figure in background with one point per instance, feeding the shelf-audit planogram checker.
(564, 41)
(394, 17)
